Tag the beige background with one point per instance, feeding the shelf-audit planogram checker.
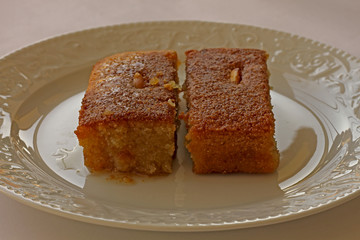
(334, 22)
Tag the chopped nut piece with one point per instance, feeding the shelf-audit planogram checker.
(138, 81)
(235, 76)
(159, 74)
(171, 85)
(107, 112)
(171, 103)
(154, 81)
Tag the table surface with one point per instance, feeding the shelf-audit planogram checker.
(334, 22)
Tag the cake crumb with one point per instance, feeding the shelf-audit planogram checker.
(122, 178)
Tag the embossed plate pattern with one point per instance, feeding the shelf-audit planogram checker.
(316, 103)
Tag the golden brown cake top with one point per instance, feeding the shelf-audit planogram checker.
(132, 86)
(228, 89)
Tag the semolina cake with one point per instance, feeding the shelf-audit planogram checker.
(229, 119)
(127, 120)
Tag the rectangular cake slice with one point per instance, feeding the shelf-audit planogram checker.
(230, 120)
(127, 120)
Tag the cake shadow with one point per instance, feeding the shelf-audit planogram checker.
(297, 156)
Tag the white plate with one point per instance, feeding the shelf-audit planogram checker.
(316, 103)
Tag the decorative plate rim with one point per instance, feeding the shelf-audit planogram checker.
(7, 148)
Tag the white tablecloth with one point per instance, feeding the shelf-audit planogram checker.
(334, 22)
